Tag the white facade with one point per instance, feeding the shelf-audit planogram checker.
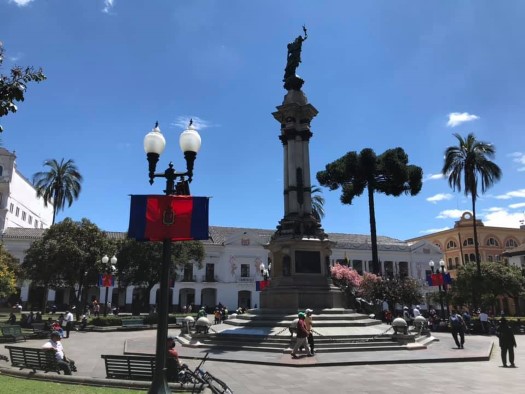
(19, 205)
(232, 267)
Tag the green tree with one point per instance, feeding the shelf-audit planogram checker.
(13, 87)
(317, 203)
(60, 184)
(139, 262)
(467, 165)
(388, 173)
(8, 273)
(496, 279)
(68, 254)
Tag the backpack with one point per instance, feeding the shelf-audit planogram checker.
(455, 322)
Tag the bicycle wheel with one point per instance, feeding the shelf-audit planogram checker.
(216, 385)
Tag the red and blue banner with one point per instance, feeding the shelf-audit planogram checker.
(439, 279)
(177, 218)
(261, 284)
(106, 280)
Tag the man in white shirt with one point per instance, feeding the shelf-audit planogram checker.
(54, 344)
(484, 321)
(69, 323)
(416, 311)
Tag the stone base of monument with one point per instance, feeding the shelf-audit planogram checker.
(335, 330)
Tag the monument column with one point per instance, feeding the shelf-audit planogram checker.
(299, 248)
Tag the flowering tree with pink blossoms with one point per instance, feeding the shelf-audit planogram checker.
(347, 279)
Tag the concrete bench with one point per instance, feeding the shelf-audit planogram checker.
(35, 359)
(132, 323)
(13, 332)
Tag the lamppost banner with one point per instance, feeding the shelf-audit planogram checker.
(439, 279)
(106, 280)
(160, 217)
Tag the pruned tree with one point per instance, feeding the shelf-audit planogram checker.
(13, 86)
(388, 173)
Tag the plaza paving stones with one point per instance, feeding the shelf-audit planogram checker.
(476, 369)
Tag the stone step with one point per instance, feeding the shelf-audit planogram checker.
(358, 321)
(290, 318)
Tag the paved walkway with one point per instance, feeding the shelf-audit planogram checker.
(405, 371)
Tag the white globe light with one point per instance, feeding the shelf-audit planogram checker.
(154, 141)
(190, 140)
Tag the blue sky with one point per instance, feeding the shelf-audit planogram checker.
(381, 73)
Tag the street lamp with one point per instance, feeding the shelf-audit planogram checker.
(441, 271)
(154, 144)
(110, 265)
(443, 275)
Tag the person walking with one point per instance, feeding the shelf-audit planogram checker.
(69, 323)
(457, 326)
(507, 342)
(54, 344)
(309, 322)
(302, 334)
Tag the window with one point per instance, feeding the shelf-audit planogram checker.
(11, 207)
(30, 219)
(210, 272)
(492, 242)
(491, 259)
(497, 258)
(466, 258)
(17, 212)
(1, 170)
(472, 257)
(245, 270)
(451, 245)
(456, 262)
(468, 241)
(188, 273)
(450, 266)
(36, 223)
(23, 215)
(511, 243)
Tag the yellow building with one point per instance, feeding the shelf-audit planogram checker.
(457, 245)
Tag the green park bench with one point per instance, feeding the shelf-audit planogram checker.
(132, 323)
(39, 330)
(13, 333)
(131, 367)
(31, 358)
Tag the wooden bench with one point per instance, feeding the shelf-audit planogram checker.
(39, 330)
(32, 358)
(13, 332)
(133, 367)
(132, 323)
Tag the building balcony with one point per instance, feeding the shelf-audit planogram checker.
(210, 278)
(188, 278)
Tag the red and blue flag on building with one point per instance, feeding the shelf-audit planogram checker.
(177, 218)
(439, 279)
(261, 284)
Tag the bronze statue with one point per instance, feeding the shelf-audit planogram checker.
(291, 81)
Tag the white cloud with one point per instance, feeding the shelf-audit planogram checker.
(456, 118)
(433, 177)
(519, 157)
(518, 205)
(108, 5)
(433, 230)
(450, 214)
(439, 197)
(21, 3)
(502, 218)
(509, 195)
(198, 123)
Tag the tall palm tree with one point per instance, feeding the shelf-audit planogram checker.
(466, 165)
(317, 203)
(388, 173)
(58, 185)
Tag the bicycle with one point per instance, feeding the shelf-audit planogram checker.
(200, 378)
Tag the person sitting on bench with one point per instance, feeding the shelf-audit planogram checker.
(65, 364)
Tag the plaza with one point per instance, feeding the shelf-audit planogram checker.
(438, 369)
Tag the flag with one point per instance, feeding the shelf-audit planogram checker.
(261, 284)
(437, 280)
(159, 217)
(429, 280)
(106, 280)
(447, 279)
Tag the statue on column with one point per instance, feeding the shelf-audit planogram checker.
(291, 80)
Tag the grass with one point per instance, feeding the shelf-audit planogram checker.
(24, 386)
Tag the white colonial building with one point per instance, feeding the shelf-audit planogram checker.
(232, 268)
(19, 205)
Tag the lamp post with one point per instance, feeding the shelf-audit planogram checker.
(110, 269)
(441, 271)
(154, 144)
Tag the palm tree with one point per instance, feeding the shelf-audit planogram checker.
(466, 165)
(388, 173)
(317, 203)
(58, 185)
